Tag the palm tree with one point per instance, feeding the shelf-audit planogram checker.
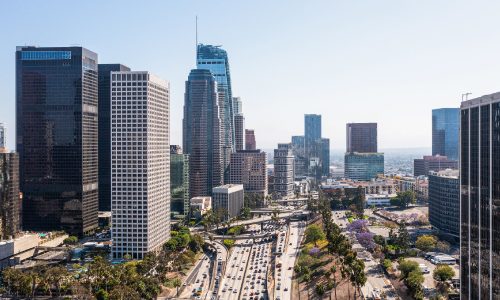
(177, 283)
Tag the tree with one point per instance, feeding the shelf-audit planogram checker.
(406, 267)
(414, 283)
(403, 239)
(443, 273)
(102, 295)
(426, 243)
(406, 198)
(246, 212)
(379, 240)
(359, 202)
(71, 240)
(123, 292)
(177, 283)
(443, 246)
(387, 264)
(314, 234)
(196, 242)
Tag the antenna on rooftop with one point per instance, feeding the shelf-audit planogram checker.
(466, 96)
(196, 37)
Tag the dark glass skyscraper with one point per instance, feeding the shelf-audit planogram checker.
(480, 198)
(105, 133)
(361, 137)
(57, 133)
(215, 59)
(312, 134)
(10, 202)
(325, 156)
(202, 132)
(444, 202)
(445, 131)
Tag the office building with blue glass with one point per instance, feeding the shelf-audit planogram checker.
(445, 132)
(57, 137)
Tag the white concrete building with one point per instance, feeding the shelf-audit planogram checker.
(140, 174)
(228, 198)
(379, 199)
(200, 206)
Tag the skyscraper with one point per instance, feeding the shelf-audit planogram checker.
(10, 202)
(215, 59)
(104, 107)
(312, 135)
(202, 133)
(361, 137)
(325, 156)
(444, 202)
(249, 167)
(239, 126)
(237, 106)
(57, 137)
(140, 172)
(283, 170)
(445, 132)
(250, 143)
(3, 136)
(300, 160)
(363, 166)
(179, 181)
(480, 198)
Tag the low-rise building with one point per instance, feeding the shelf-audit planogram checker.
(444, 202)
(228, 199)
(200, 206)
(379, 199)
(422, 166)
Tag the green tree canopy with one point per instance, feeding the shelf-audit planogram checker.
(426, 242)
(443, 273)
(314, 233)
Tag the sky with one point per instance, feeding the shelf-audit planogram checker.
(384, 61)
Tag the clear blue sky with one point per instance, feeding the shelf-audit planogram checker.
(381, 61)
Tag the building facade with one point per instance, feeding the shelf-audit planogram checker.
(325, 157)
(237, 106)
(445, 132)
(215, 59)
(179, 181)
(239, 127)
(250, 143)
(283, 185)
(202, 133)
(228, 199)
(3, 136)
(57, 137)
(312, 135)
(104, 132)
(140, 159)
(444, 202)
(361, 137)
(423, 166)
(249, 168)
(363, 166)
(300, 159)
(480, 198)
(10, 201)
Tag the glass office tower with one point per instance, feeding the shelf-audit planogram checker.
(215, 59)
(480, 198)
(445, 128)
(56, 137)
(105, 133)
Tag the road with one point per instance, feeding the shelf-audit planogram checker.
(199, 278)
(283, 275)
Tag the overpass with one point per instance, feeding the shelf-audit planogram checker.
(242, 236)
(298, 200)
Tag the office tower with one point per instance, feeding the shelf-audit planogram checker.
(214, 59)
(57, 137)
(3, 136)
(237, 105)
(179, 181)
(300, 159)
(444, 202)
(239, 126)
(445, 132)
(202, 133)
(325, 156)
(361, 137)
(283, 171)
(104, 108)
(423, 166)
(363, 166)
(479, 198)
(249, 167)
(140, 158)
(10, 202)
(250, 143)
(228, 199)
(312, 135)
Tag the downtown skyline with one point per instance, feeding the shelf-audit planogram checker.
(431, 78)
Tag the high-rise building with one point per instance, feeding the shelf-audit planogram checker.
(228, 199)
(10, 202)
(57, 137)
(179, 181)
(312, 135)
(140, 159)
(300, 159)
(249, 167)
(250, 143)
(3, 136)
(480, 198)
(283, 171)
(444, 202)
(363, 166)
(361, 137)
(239, 126)
(215, 59)
(104, 107)
(325, 156)
(423, 166)
(445, 132)
(237, 105)
(202, 133)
